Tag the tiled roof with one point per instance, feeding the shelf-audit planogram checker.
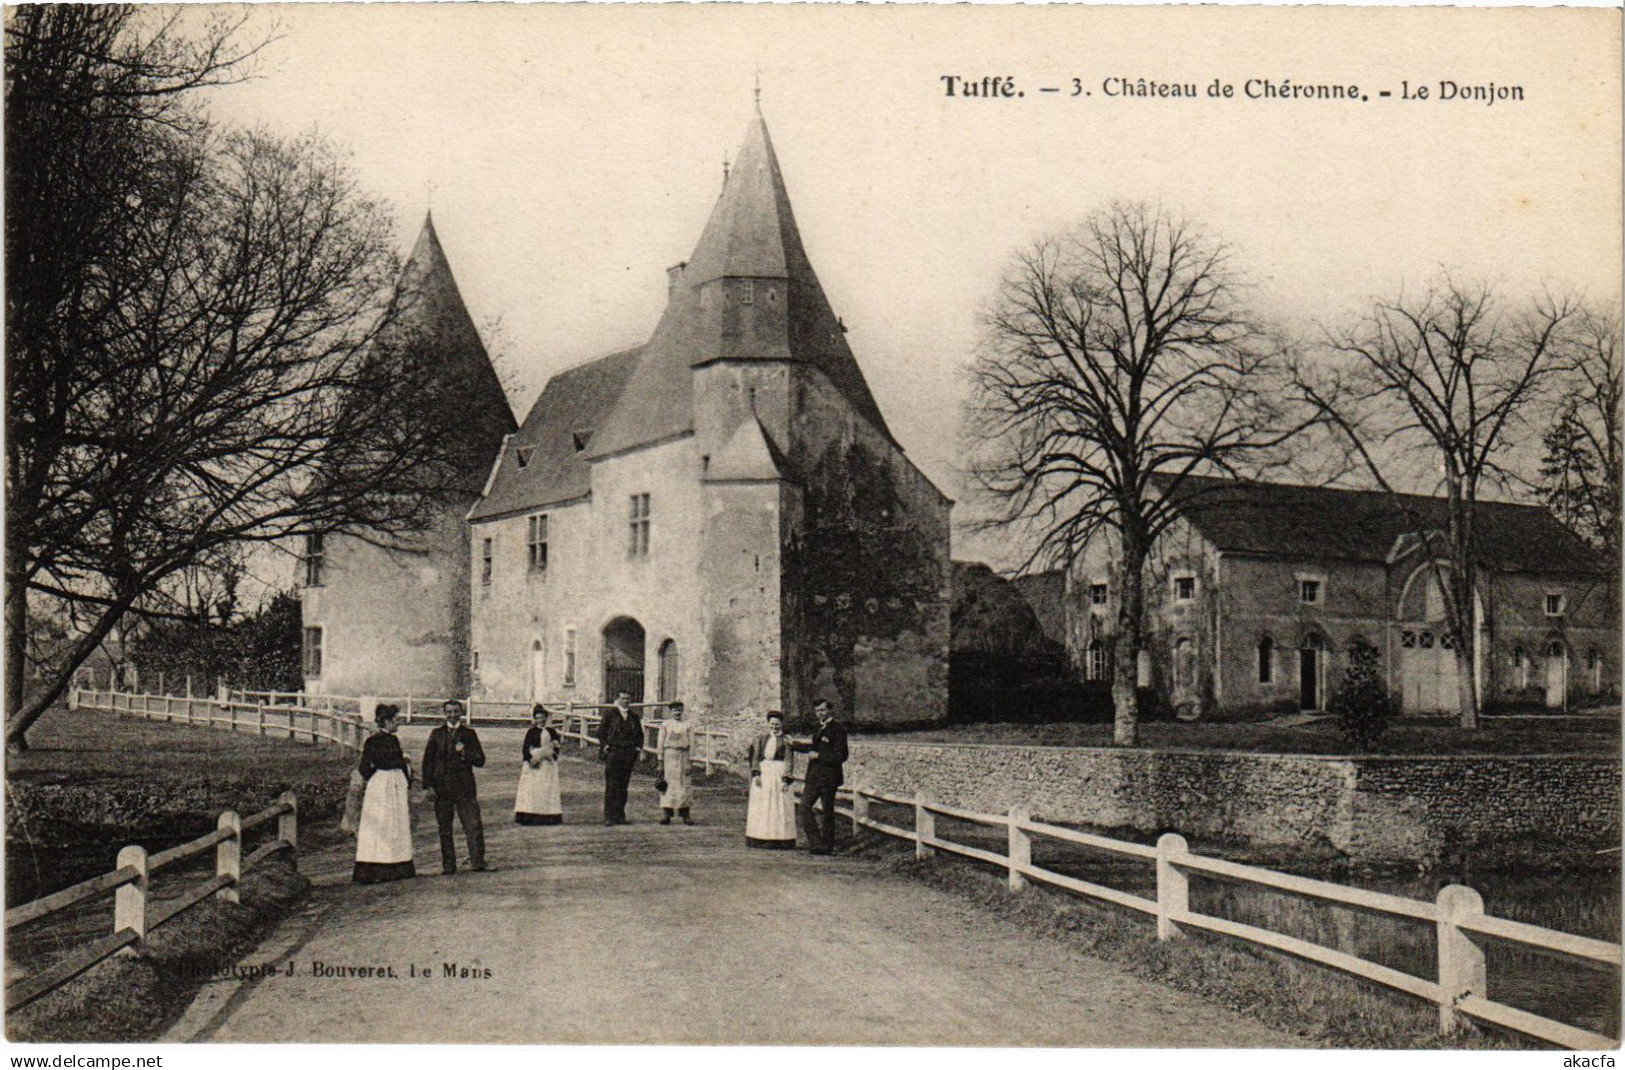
(751, 234)
(1287, 520)
(554, 439)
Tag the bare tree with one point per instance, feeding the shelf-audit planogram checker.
(196, 329)
(1118, 360)
(1580, 473)
(1448, 376)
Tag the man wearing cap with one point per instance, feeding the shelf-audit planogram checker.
(826, 754)
(620, 740)
(449, 762)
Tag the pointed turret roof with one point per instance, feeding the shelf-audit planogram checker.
(431, 323)
(751, 234)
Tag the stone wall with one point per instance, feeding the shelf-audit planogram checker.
(1366, 810)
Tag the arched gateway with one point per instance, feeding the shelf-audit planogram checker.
(623, 658)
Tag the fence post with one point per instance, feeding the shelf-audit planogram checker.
(287, 826)
(925, 827)
(1173, 886)
(228, 856)
(1461, 959)
(860, 810)
(130, 900)
(1020, 847)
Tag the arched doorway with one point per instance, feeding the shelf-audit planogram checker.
(538, 670)
(1557, 674)
(669, 664)
(1312, 672)
(623, 658)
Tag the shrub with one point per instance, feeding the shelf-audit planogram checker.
(1361, 702)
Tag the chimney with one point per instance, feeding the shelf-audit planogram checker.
(674, 274)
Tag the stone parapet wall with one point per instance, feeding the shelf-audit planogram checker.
(1368, 810)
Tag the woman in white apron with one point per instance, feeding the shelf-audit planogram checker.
(770, 822)
(537, 802)
(676, 745)
(383, 842)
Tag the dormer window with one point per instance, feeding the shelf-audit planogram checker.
(522, 455)
(1556, 605)
(1184, 588)
(747, 292)
(1309, 592)
(1097, 594)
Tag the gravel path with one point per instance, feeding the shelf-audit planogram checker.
(651, 934)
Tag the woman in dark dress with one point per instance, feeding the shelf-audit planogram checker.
(383, 843)
(537, 801)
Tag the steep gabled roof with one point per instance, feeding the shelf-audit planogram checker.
(749, 455)
(1287, 520)
(751, 234)
(555, 436)
(432, 323)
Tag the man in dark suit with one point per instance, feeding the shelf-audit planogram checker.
(449, 762)
(826, 753)
(620, 741)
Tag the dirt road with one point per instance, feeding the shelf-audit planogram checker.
(652, 934)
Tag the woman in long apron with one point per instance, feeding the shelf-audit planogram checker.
(383, 842)
(537, 802)
(770, 821)
(676, 743)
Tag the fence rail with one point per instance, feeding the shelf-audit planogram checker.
(339, 719)
(1459, 990)
(133, 915)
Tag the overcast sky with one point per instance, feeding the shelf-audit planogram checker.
(572, 153)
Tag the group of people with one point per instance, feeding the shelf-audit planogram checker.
(384, 829)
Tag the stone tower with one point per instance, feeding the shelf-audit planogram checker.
(395, 621)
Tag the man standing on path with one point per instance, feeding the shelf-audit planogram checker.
(826, 753)
(620, 740)
(449, 762)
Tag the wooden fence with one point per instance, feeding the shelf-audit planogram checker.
(1459, 990)
(341, 720)
(130, 885)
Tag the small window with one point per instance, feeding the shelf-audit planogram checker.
(1520, 667)
(536, 543)
(1555, 605)
(747, 292)
(569, 657)
(639, 544)
(1097, 594)
(1309, 592)
(485, 562)
(474, 660)
(1407, 639)
(1424, 640)
(523, 454)
(1447, 641)
(315, 558)
(1184, 588)
(313, 653)
(1266, 660)
(772, 296)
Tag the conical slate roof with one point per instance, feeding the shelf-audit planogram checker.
(751, 235)
(432, 329)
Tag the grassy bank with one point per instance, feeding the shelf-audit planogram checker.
(92, 783)
(137, 997)
(1411, 736)
(1325, 1007)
